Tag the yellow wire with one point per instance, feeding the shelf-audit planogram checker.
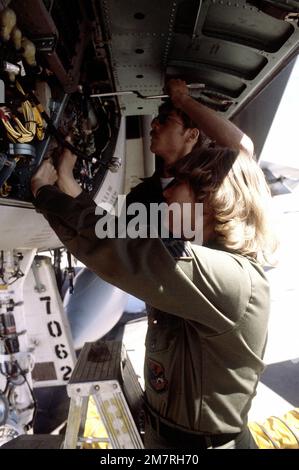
(11, 132)
(34, 123)
(28, 114)
(19, 87)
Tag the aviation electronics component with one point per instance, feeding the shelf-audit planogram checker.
(8, 21)
(11, 68)
(22, 149)
(4, 409)
(16, 36)
(29, 51)
(7, 166)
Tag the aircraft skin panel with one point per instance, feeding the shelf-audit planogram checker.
(234, 49)
(25, 228)
(49, 335)
(225, 56)
(244, 24)
(137, 16)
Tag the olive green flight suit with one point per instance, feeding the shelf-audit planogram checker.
(208, 314)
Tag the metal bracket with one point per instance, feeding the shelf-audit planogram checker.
(39, 287)
(22, 149)
(46, 43)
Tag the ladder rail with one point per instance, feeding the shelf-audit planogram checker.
(73, 422)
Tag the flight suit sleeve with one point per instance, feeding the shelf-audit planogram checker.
(141, 267)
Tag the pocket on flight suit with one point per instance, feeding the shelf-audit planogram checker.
(161, 342)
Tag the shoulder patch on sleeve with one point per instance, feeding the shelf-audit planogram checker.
(179, 249)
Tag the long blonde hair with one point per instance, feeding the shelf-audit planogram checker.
(234, 188)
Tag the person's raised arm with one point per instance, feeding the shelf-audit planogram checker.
(215, 126)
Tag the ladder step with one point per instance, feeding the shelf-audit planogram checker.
(99, 361)
(104, 371)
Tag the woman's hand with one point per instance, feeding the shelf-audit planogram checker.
(65, 166)
(46, 174)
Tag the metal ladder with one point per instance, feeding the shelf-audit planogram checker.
(105, 372)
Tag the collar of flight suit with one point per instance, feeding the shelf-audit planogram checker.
(179, 249)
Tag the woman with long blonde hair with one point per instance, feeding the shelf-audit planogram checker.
(208, 305)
